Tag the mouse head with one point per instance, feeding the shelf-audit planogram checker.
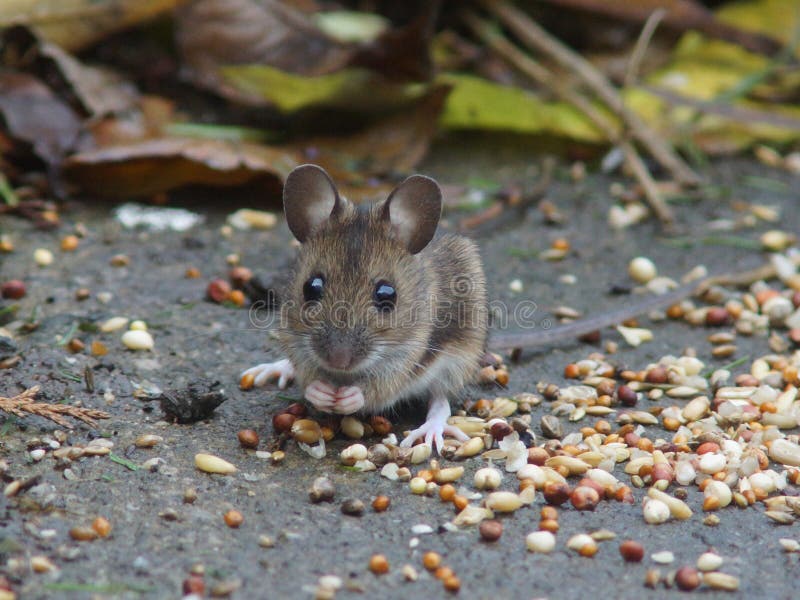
(360, 293)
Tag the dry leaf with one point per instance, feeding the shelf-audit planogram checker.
(74, 24)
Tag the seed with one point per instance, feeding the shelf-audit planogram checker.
(720, 491)
(677, 508)
(41, 564)
(488, 478)
(451, 583)
(381, 503)
(655, 511)
(642, 269)
(556, 493)
(101, 526)
(460, 503)
(13, 289)
(687, 578)
(353, 507)
(353, 453)
(189, 495)
(652, 577)
(785, 452)
(540, 541)
(712, 462)
(664, 557)
(378, 564)
(192, 273)
(352, 428)
(724, 351)
(239, 276)
(470, 448)
(233, 518)
(584, 498)
(631, 551)
(42, 257)
(574, 466)
(83, 534)
(503, 502)
(147, 440)
(418, 485)
(321, 490)
(583, 544)
(138, 340)
(283, 422)
(551, 427)
(491, 530)
(721, 581)
(627, 396)
(209, 463)
(218, 290)
(708, 561)
(789, 545)
(449, 474)
(420, 453)
(380, 425)
(447, 492)
(119, 260)
(306, 431)
(431, 561)
(248, 438)
(717, 316)
(237, 298)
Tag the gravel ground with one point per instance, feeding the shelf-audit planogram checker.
(157, 538)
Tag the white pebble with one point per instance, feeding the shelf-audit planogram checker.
(515, 285)
(642, 269)
(540, 541)
(138, 340)
(655, 511)
(43, 257)
(709, 561)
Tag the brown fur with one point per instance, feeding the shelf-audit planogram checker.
(433, 339)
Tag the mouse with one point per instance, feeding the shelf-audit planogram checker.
(378, 310)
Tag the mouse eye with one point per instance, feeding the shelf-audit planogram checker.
(313, 288)
(384, 296)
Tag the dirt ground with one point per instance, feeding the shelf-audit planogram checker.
(157, 538)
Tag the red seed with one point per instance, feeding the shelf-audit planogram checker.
(717, 316)
(657, 374)
(194, 584)
(631, 551)
(687, 578)
(297, 409)
(218, 290)
(13, 289)
(248, 438)
(584, 498)
(239, 276)
(491, 530)
(556, 493)
(706, 447)
(500, 429)
(627, 396)
(282, 422)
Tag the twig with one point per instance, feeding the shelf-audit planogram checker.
(503, 209)
(650, 26)
(500, 44)
(23, 403)
(532, 35)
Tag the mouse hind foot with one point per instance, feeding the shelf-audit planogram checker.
(435, 427)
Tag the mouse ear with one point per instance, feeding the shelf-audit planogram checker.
(414, 208)
(309, 199)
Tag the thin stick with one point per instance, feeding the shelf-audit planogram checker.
(639, 50)
(528, 66)
(531, 34)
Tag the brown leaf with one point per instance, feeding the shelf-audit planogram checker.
(34, 115)
(151, 166)
(95, 92)
(74, 24)
(214, 33)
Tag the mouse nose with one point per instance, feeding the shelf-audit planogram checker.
(340, 357)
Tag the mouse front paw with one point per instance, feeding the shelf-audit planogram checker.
(349, 400)
(322, 396)
(281, 370)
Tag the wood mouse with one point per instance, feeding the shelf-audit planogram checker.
(378, 312)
